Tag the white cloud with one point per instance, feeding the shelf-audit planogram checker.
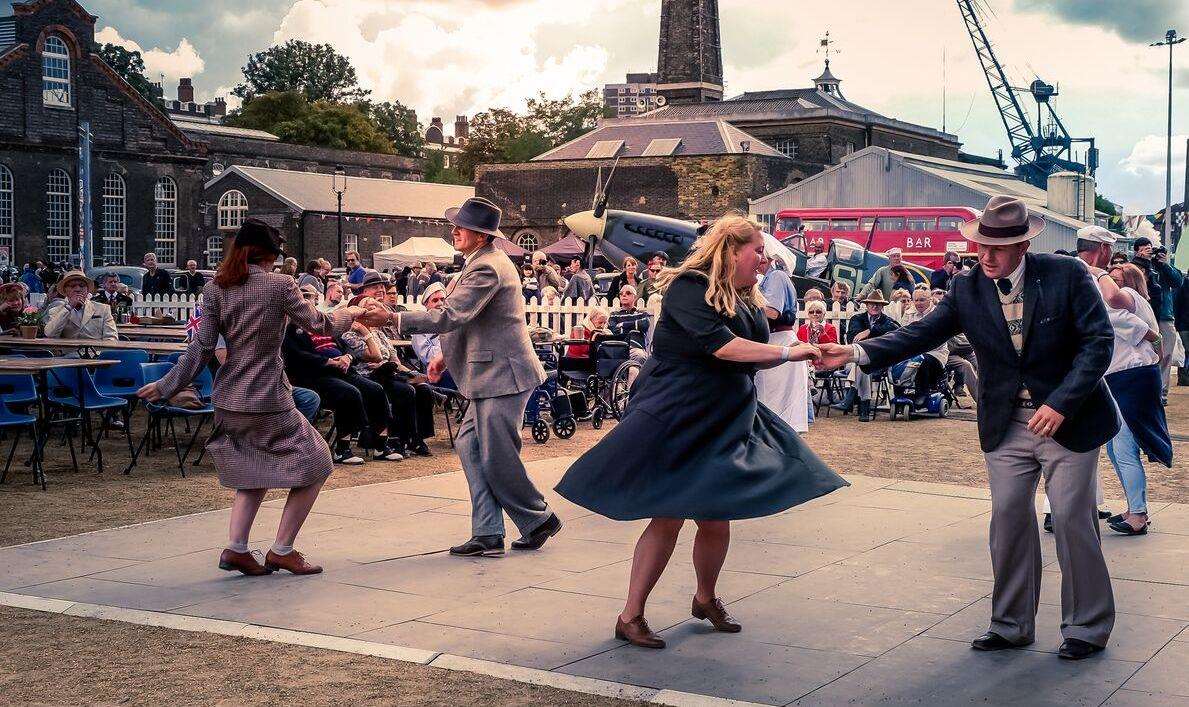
(1149, 154)
(184, 61)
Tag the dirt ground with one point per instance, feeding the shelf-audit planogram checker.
(64, 660)
(83, 661)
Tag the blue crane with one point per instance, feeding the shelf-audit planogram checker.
(1039, 150)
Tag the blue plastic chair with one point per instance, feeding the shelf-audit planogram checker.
(123, 379)
(21, 422)
(64, 390)
(17, 388)
(164, 412)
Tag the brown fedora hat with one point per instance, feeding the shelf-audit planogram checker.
(875, 297)
(1005, 221)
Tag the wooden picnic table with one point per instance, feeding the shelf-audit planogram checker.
(39, 368)
(88, 347)
(150, 332)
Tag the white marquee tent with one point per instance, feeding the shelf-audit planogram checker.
(412, 251)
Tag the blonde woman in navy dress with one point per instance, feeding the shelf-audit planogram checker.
(695, 443)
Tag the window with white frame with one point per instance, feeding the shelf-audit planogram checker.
(351, 243)
(214, 251)
(165, 221)
(385, 241)
(233, 208)
(55, 72)
(528, 241)
(786, 146)
(114, 219)
(6, 212)
(59, 210)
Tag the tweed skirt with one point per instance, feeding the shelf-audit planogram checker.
(271, 450)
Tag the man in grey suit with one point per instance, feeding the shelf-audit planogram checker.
(486, 348)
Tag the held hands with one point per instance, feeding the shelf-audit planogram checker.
(149, 392)
(342, 363)
(1046, 421)
(804, 352)
(374, 315)
(834, 356)
(436, 368)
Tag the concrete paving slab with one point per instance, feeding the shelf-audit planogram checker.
(779, 616)
(1163, 557)
(1134, 638)
(699, 660)
(1173, 518)
(514, 650)
(886, 586)
(932, 671)
(826, 527)
(459, 578)
(1165, 674)
(1166, 601)
(936, 489)
(1133, 698)
(369, 503)
(942, 506)
(130, 596)
(770, 558)
(677, 584)
(320, 606)
(27, 565)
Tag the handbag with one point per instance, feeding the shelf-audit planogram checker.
(186, 399)
(1178, 352)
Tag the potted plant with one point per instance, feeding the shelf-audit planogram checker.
(29, 322)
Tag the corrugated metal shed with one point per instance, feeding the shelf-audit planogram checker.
(876, 176)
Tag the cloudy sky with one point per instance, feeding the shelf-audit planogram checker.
(447, 57)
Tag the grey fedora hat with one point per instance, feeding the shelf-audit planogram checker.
(1005, 221)
(477, 214)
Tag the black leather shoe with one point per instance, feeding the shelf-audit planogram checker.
(1116, 518)
(1048, 522)
(991, 641)
(480, 546)
(1103, 515)
(537, 538)
(1124, 528)
(1077, 649)
(420, 448)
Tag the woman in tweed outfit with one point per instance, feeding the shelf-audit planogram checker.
(260, 440)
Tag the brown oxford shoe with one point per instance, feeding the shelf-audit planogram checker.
(245, 562)
(637, 633)
(717, 614)
(294, 562)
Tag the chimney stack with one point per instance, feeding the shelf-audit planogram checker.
(462, 128)
(219, 108)
(186, 91)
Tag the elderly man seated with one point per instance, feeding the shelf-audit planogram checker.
(111, 295)
(429, 346)
(931, 368)
(862, 326)
(80, 317)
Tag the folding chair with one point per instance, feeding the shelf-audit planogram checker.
(10, 420)
(164, 412)
(75, 391)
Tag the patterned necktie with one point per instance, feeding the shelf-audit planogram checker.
(1004, 285)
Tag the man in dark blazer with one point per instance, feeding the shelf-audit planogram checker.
(1043, 341)
(111, 295)
(156, 280)
(868, 324)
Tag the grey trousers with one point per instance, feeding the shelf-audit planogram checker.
(488, 446)
(1014, 469)
(1168, 341)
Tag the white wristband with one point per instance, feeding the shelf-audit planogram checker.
(786, 353)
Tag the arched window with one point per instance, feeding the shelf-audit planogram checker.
(528, 241)
(59, 210)
(6, 214)
(165, 221)
(233, 208)
(55, 72)
(214, 251)
(114, 219)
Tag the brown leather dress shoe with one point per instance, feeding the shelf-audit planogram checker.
(244, 562)
(294, 562)
(717, 614)
(637, 633)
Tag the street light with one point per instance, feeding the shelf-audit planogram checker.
(1170, 41)
(338, 184)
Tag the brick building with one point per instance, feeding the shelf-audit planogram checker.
(637, 94)
(377, 213)
(146, 175)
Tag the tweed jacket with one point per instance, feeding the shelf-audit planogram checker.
(97, 322)
(485, 339)
(1067, 347)
(252, 319)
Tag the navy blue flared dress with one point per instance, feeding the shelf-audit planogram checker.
(695, 443)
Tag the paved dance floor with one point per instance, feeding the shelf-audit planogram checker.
(870, 595)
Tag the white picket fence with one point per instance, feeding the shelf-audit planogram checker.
(560, 317)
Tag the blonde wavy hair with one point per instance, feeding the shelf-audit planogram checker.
(713, 256)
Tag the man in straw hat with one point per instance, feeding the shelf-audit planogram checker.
(80, 317)
(866, 325)
(486, 348)
(1043, 341)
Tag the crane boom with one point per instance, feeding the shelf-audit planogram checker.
(1015, 121)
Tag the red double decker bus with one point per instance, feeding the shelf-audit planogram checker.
(925, 234)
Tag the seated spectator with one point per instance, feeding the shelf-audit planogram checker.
(817, 263)
(1119, 259)
(549, 296)
(901, 302)
(392, 297)
(580, 286)
(932, 365)
(627, 277)
(156, 281)
(111, 296)
(528, 283)
(840, 294)
(32, 280)
(192, 281)
(360, 405)
(813, 295)
(312, 277)
(658, 262)
(594, 324)
(629, 323)
(963, 364)
(410, 398)
(817, 330)
(334, 296)
(80, 317)
(937, 296)
(12, 303)
(866, 325)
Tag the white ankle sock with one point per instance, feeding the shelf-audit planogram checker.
(237, 547)
(281, 549)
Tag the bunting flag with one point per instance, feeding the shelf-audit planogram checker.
(193, 322)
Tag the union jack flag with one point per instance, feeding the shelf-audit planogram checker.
(193, 322)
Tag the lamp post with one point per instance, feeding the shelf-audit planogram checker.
(338, 184)
(1170, 41)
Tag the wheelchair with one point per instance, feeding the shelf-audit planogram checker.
(904, 397)
(603, 378)
(551, 407)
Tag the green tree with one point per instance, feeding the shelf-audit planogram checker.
(564, 119)
(501, 136)
(317, 70)
(266, 111)
(130, 66)
(341, 127)
(399, 123)
(437, 172)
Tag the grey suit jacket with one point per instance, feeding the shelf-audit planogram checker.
(252, 319)
(485, 339)
(97, 323)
